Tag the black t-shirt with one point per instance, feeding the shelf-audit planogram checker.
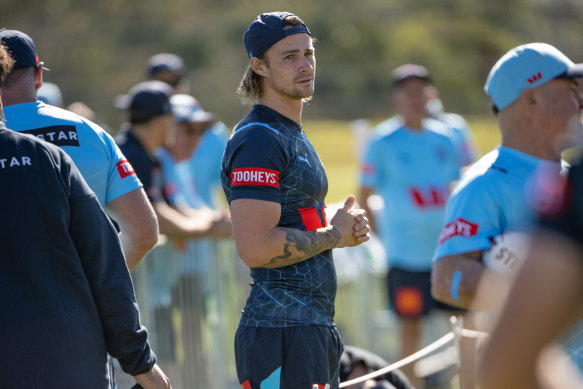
(146, 166)
(270, 158)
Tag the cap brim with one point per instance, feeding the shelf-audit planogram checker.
(574, 71)
(202, 117)
(121, 101)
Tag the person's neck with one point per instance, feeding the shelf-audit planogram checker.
(181, 151)
(528, 135)
(13, 96)
(287, 107)
(144, 134)
(413, 123)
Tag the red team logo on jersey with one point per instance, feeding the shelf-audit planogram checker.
(255, 176)
(458, 227)
(124, 168)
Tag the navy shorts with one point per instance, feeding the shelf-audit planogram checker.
(288, 357)
(410, 294)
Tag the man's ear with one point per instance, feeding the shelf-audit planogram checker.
(530, 98)
(38, 76)
(258, 66)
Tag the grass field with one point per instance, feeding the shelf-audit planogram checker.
(337, 147)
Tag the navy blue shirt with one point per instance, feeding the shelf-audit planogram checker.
(270, 158)
(147, 166)
(66, 297)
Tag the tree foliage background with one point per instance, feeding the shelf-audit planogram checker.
(98, 49)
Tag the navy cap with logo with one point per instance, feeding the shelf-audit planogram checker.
(408, 71)
(21, 48)
(266, 30)
(148, 100)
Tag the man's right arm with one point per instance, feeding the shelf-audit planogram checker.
(137, 221)
(261, 243)
(462, 280)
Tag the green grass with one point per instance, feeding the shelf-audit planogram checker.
(336, 146)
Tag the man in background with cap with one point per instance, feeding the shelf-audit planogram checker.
(166, 67)
(275, 184)
(410, 162)
(66, 294)
(93, 150)
(535, 94)
(150, 124)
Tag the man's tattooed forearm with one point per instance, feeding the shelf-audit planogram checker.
(300, 245)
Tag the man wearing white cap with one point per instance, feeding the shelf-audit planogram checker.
(534, 92)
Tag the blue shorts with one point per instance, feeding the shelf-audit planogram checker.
(288, 357)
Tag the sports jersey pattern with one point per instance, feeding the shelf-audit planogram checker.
(93, 150)
(501, 192)
(269, 157)
(411, 170)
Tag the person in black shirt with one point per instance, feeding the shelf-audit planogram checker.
(275, 184)
(66, 296)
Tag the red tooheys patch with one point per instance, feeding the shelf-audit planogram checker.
(255, 176)
(458, 227)
(124, 168)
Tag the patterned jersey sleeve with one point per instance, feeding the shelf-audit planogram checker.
(472, 217)
(255, 160)
(121, 177)
(372, 166)
(564, 215)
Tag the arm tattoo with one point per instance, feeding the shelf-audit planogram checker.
(300, 245)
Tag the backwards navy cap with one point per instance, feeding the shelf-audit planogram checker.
(266, 30)
(149, 99)
(21, 48)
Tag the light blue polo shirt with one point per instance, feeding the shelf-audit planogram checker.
(93, 150)
(500, 192)
(411, 170)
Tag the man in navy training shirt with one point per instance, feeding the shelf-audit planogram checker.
(275, 184)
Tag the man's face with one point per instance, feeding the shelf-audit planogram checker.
(562, 108)
(411, 98)
(291, 67)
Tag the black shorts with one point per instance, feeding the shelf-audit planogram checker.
(288, 357)
(410, 294)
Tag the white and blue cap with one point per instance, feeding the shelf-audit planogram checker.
(186, 109)
(527, 66)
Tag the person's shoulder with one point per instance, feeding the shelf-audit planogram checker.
(387, 128)
(437, 128)
(26, 143)
(482, 175)
(454, 120)
(62, 115)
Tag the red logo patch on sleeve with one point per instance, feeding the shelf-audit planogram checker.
(458, 227)
(124, 168)
(255, 176)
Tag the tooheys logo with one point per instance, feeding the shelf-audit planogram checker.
(124, 168)
(255, 176)
(64, 135)
(458, 227)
